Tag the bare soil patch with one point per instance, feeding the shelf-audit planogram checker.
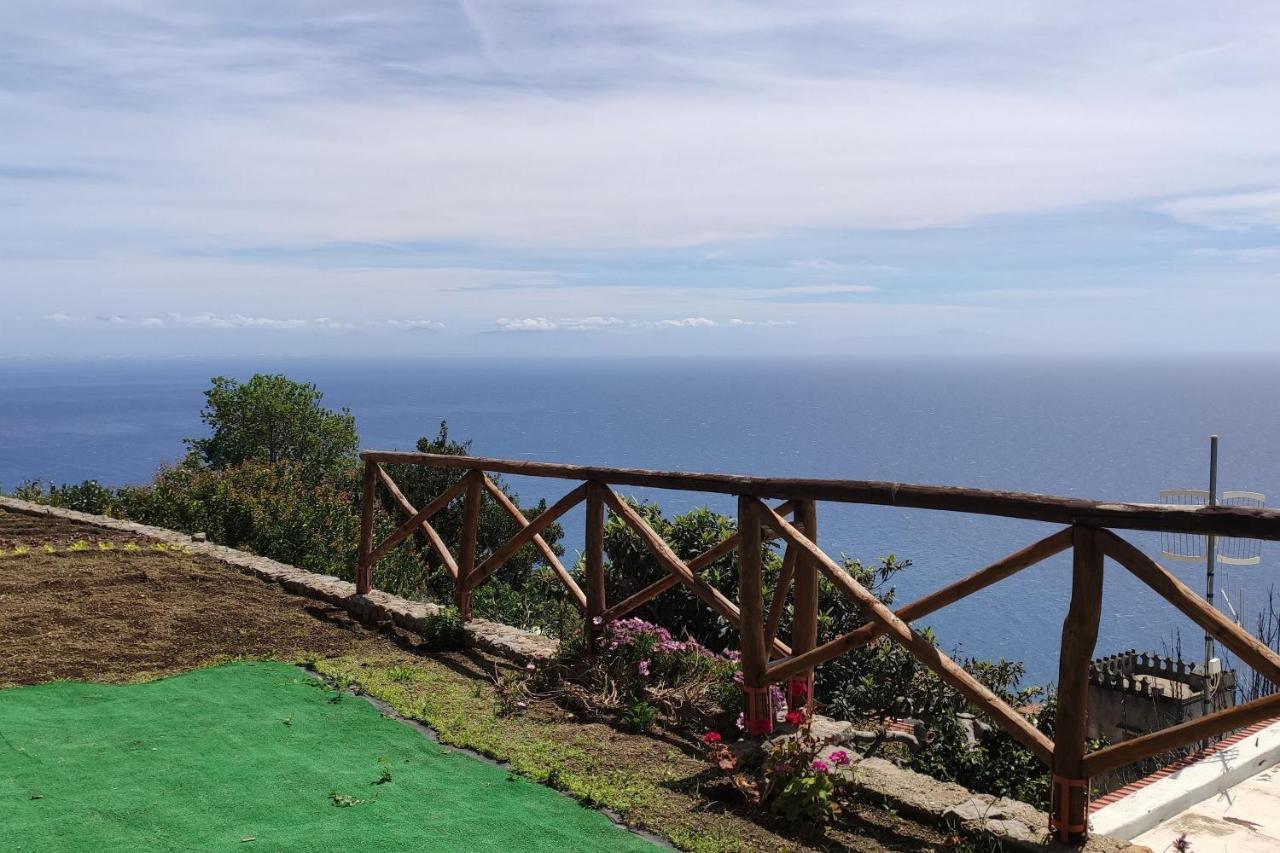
(120, 615)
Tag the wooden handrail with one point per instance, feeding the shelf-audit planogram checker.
(408, 509)
(1086, 535)
(921, 607)
(525, 536)
(722, 548)
(1211, 725)
(405, 530)
(920, 647)
(1247, 647)
(548, 555)
(672, 563)
(1221, 520)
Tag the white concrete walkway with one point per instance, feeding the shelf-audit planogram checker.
(1243, 819)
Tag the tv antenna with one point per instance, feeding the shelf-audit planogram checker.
(1210, 549)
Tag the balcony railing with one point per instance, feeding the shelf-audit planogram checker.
(768, 659)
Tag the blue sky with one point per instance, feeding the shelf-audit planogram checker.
(580, 178)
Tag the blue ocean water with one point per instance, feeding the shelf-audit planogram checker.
(1102, 429)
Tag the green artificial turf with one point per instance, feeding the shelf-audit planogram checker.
(257, 756)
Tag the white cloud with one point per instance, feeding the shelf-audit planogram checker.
(209, 320)
(1230, 212)
(580, 324)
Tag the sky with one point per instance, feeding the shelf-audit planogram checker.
(583, 178)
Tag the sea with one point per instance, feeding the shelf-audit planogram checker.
(1095, 428)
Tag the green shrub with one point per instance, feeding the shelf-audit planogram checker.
(445, 631)
(640, 717)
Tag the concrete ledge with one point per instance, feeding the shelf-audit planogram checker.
(377, 607)
(1154, 803)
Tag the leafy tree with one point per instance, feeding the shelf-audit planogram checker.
(271, 419)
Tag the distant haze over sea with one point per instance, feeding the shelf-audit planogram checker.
(1107, 429)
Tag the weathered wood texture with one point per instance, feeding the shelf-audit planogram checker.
(755, 655)
(548, 555)
(1070, 803)
(364, 568)
(1222, 520)
(804, 630)
(525, 536)
(446, 557)
(594, 558)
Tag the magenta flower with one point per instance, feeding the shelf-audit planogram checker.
(819, 766)
(643, 667)
(840, 757)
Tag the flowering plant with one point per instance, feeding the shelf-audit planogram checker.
(802, 779)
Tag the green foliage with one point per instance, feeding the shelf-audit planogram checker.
(631, 566)
(445, 631)
(271, 419)
(640, 717)
(89, 496)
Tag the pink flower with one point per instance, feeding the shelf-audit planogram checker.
(741, 722)
(819, 766)
(795, 718)
(596, 620)
(643, 667)
(840, 757)
(712, 737)
(530, 666)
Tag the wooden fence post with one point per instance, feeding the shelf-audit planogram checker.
(755, 655)
(364, 567)
(1069, 792)
(804, 622)
(596, 600)
(470, 529)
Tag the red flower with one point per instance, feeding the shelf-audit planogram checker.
(795, 718)
(711, 737)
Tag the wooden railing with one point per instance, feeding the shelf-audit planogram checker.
(767, 659)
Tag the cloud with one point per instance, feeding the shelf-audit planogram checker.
(1230, 212)
(209, 320)
(584, 324)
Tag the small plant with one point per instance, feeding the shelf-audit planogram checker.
(797, 783)
(78, 546)
(48, 548)
(21, 550)
(402, 674)
(384, 776)
(445, 631)
(343, 801)
(288, 721)
(132, 547)
(159, 546)
(511, 691)
(640, 717)
(106, 546)
(1182, 844)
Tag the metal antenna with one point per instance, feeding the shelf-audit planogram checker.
(1194, 548)
(1210, 553)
